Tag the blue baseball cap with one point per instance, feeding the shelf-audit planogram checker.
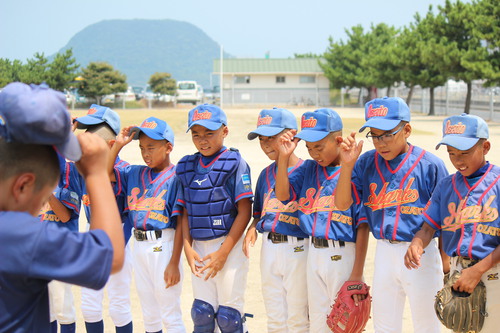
(154, 128)
(318, 124)
(207, 115)
(98, 114)
(37, 114)
(385, 113)
(272, 122)
(464, 131)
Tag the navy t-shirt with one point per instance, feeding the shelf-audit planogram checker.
(35, 253)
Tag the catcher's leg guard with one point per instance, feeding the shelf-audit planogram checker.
(203, 315)
(229, 320)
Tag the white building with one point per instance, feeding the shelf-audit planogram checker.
(277, 82)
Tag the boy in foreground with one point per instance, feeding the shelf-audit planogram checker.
(34, 122)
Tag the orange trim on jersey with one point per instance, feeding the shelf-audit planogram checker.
(398, 209)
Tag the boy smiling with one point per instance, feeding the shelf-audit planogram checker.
(464, 208)
(395, 181)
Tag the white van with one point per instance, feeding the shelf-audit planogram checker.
(189, 92)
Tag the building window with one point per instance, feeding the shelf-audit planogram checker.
(242, 79)
(280, 79)
(307, 79)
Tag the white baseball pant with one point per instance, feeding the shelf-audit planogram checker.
(62, 304)
(392, 282)
(118, 288)
(283, 269)
(327, 270)
(228, 286)
(492, 283)
(159, 304)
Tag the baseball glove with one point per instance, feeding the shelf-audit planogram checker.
(461, 311)
(345, 316)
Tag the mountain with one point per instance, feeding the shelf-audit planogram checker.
(140, 48)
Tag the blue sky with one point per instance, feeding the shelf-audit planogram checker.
(244, 28)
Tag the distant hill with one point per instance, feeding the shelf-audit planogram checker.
(140, 48)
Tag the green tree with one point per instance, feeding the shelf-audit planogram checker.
(62, 71)
(5, 72)
(162, 83)
(17, 71)
(408, 59)
(466, 57)
(488, 23)
(380, 64)
(99, 79)
(431, 55)
(12, 71)
(35, 70)
(342, 64)
(363, 60)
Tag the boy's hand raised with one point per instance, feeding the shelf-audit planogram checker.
(94, 154)
(287, 143)
(124, 136)
(350, 150)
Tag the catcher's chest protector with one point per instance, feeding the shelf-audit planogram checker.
(211, 211)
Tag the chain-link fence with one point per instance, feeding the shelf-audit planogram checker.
(448, 99)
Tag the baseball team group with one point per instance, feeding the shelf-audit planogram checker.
(437, 234)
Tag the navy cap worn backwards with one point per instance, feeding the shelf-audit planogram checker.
(385, 113)
(207, 115)
(98, 114)
(36, 114)
(318, 124)
(154, 128)
(464, 131)
(272, 122)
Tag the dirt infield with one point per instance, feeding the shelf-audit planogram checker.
(426, 134)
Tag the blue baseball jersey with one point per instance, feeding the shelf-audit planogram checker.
(151, 197)
(465, 210)
(69, 191)
(238, 185)
(394, 193)
(121, 199)
(317, 212)
(273, 215)
(35, 253)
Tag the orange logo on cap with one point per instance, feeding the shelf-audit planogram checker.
(149, 124)
(381, 111)
(309, 123)
(201, 115)
(264, 120)
(92, 111)
(454, 129)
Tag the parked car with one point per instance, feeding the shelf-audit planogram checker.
(189, 92)
(149, 94)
